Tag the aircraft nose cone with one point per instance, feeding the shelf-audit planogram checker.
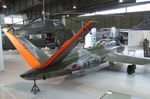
(29, 75)
(23, 75)
(26, 76)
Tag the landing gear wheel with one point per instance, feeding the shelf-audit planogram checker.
(111, 64)
(131, 69)
(35, 89)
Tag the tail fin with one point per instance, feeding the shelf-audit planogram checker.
(66, 48)
(33, 56)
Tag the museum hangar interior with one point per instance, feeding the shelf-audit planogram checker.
(74, 49)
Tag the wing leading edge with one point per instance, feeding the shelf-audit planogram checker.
(115, 57)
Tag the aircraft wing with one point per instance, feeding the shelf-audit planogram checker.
(115, 57)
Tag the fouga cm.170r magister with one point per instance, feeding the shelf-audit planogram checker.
(65, 61)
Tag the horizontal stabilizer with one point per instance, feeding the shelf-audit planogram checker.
(33, 56)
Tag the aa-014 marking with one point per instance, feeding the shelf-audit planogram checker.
(88, 64)
(91, 63)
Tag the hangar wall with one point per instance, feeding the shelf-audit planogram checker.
(136, 37)
(34, 9)
(120, 21)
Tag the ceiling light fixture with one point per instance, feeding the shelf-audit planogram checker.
(109, 92)
(74, 7)
(67, 15)
(4, 6)
(120, 1)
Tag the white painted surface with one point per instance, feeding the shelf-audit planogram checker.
(113, 32)
(1, 52)
(135, 37)
(64, 20)
(90, 38)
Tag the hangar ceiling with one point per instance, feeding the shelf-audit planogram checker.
(33, 8)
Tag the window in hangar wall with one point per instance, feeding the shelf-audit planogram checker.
(8, 20)
(14, 19)
(142, 0)
(18, 20)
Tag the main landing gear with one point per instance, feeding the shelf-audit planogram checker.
(131, 69)
(111, 63)
(35, 89)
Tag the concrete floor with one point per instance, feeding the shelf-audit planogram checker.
(90, 86)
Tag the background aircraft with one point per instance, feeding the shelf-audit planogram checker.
(121, 34)
(49, 32)
(66, 61)
(43, 31)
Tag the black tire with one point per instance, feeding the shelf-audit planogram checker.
(134, 67)
(44, 78)
(111, 63)
(129, 69)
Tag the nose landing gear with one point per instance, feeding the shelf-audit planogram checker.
(35, 89)
(131, 69)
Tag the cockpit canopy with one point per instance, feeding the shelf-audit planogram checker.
(108, 42)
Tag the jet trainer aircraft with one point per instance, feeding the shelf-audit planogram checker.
(65, 61)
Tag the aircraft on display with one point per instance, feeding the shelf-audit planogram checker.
(121, 34)
(69, 59)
